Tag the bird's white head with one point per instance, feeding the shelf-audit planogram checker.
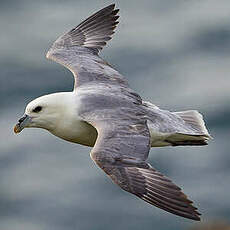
(44, 112)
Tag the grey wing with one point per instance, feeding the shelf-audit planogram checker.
(78, 49)
(121, 150)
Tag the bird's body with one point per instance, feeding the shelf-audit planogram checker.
(70, 126)
(105, 113)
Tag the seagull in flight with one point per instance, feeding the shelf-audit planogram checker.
(103, 112)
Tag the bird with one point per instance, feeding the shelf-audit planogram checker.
(103, 112)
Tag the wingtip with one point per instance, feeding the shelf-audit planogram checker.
(163, 193)
(111, 6)
(94, 31)
(196, 217)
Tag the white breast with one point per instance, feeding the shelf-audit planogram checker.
(76, 131)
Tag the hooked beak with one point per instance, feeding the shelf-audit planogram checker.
(22, 123)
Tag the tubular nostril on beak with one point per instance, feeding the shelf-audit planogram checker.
(22, 119)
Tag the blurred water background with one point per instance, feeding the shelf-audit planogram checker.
(174, 53)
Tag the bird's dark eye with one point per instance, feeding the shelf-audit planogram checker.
(37, 109)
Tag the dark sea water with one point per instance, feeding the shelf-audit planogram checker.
(174, 53)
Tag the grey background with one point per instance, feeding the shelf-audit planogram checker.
(174, 53)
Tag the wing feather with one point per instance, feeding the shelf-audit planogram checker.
(93, 32)
(167, 197)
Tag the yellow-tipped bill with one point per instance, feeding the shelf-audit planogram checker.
(17, 128)
(22, 123)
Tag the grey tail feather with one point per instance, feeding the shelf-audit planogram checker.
(195, 120)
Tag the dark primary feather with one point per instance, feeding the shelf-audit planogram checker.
(161, 192)
(93, 32)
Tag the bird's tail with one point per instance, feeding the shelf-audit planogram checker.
(195, 120)
(175, 128)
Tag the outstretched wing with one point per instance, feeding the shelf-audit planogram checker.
(78, 49)
(121, 150)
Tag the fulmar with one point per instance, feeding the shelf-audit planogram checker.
(103, 112)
